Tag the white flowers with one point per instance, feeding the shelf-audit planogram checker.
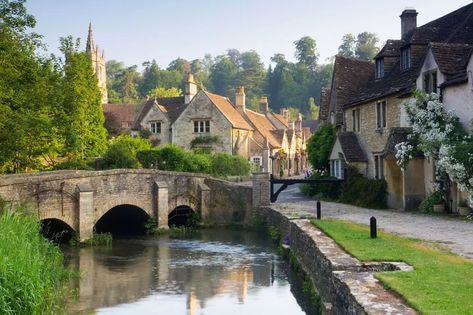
(437, 134)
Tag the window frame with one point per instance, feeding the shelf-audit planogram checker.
(379, 68)
(406, 58)
(257, 157)
(381, 108)
(430, 81)
(356, 117)
(155, 127)
(202, 126)
(378, 166)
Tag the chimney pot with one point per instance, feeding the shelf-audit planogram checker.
(240, 98)
(190, 88)
(263, 104)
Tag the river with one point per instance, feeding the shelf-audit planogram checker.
(217, 271)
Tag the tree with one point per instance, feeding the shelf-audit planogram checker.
(163, 92)
(314, 109)
(85, 134)
(320, 145)
(347, 48)
(306, 51)
(366, 46)
(223, 75)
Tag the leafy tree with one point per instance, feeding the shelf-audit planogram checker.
(306, 51)
(320, 145)
(366, 45)
(347, 48)
(223, 75)
(85, 134)
(314, 109)
(163, 92)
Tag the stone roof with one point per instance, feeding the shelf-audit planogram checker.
(281, 119)
(351, 147)
(279, 135)
(121, 112)
(172, 107)
(397, 135)
(313, 125)
(452, 60)
(390, 49)
(455, 27)
(229, 111)
(264, 126)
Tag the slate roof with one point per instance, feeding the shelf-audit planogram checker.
(455, 27)
(229, 111)
(313, 125)
(350, 76)
(351, 147)
(172, 107)
(390, 49)
(397, 135)
(121, 112)
(281, 119)
(452, 60)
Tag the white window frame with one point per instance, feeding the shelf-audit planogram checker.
(430, 85)
(406, 58)
(155, 127)
(337, 168)
(381, 115)
(202, 126)
(257, 159)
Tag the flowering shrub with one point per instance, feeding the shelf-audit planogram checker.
(440, 136)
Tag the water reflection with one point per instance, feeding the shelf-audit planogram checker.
(217, 272)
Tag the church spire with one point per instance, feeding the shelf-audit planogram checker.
(90, 40)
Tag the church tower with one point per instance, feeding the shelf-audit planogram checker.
(98, 64)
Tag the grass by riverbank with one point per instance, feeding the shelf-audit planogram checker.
(441, 282)
(31, 268)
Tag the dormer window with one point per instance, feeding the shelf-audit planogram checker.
(406, 58)
(430, 82)
(379, 68)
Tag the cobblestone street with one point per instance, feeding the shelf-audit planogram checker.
(453, 232)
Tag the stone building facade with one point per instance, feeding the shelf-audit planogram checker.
(366, 99)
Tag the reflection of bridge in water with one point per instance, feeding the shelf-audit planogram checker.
(199, 270)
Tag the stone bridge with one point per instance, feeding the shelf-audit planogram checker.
(81, 198)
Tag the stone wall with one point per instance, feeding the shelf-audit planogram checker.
(346, 285)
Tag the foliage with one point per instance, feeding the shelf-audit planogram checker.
(440, 136)
(181, 232)
(194, 220)
(364, 192)
(314, 109)
(74, 164)
(229, 165)
(122, 152)
(326, 191)
(134, 145)
(151, 226)
(32, 271)
(363, 47)
(83, 119)
(204, 141)
(440, 282)
(320, 145)
(427, 205)
(275, 235)
(99, 239)
(163, 92)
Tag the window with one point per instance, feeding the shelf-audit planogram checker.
(379, 166)
(155, 127)
(201, 126)
(406, 58)
(257, 160)
(356, 119)
(379, 68)
(336, 168)
(430, 82)
(381, 115)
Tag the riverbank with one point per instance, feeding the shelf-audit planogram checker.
(31, 268)
(348, 286)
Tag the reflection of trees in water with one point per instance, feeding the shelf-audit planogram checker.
(131, 270)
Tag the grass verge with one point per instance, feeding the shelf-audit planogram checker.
(441, 282)
(31, 268)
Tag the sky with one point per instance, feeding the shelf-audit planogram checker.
(141, 30)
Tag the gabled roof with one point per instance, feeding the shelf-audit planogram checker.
(264, 126)
(451, 58)
(313, 125)
(350, 76)
(172, 107)
(279, 135)
(390, 49)
(229, 111)
(281, 119)
(351, 147)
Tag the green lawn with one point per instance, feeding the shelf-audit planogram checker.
(441, 283)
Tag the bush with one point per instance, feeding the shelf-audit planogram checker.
(31, 268)
(229, 165)
(148, 158)
(427, 205)
(118, 156)
(320, 145)
(356, 190)
(134, 145)
(198, 163)
(75, 164)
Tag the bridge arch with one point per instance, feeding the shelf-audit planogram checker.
(56, 230)
(180, 216)
(123, 220)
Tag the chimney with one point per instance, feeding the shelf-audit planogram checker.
(285, 113)
(408, 21)
(190, 88)
(263, 105)
(240, 98)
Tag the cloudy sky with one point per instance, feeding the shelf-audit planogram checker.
(140, 30)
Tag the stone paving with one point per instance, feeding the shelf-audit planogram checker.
(453, 232)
